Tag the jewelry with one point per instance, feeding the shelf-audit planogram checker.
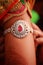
(19, 29)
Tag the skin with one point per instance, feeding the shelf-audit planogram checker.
(21, 51)
(17, 50)
(38, 35)
(38, 38)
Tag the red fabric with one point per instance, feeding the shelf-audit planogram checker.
(19, 11)
(10, 6)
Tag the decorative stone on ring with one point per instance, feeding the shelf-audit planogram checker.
(19, 29)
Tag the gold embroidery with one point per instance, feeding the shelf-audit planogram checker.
(5, 3)
(1, 9)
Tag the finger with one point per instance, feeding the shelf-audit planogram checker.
(35, 27)
(38, 33)
(39, 40)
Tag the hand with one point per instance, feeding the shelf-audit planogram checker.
(38, 35)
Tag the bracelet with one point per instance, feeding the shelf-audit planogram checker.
(19, 29)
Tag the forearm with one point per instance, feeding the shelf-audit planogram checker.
(24, 48)
(18, 51)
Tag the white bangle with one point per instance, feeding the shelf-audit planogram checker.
(19, 29)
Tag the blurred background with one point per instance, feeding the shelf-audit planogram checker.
(37, 13)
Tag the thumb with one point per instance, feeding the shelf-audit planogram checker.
(38, 33)
(39, 40)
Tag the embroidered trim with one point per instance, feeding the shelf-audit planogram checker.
(10, 6)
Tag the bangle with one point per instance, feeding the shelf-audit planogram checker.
(19, 29)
